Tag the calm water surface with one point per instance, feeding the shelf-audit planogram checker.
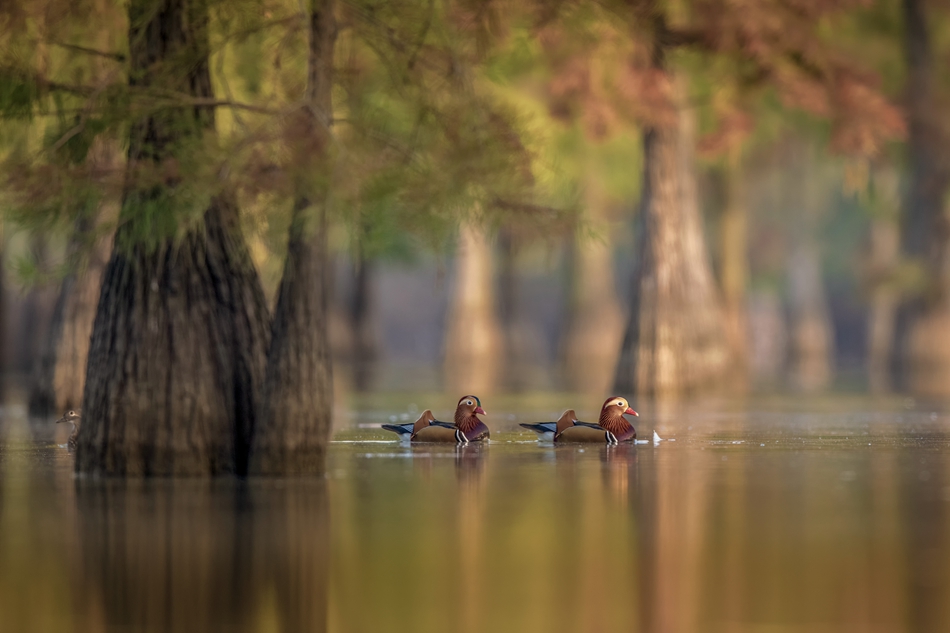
(767, 516)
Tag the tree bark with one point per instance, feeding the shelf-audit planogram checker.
(924, 320)
(297, 402)
(177, 352)
(473, 336)
(674, 341)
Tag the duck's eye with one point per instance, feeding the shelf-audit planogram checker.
(71, 413)
(468, 402)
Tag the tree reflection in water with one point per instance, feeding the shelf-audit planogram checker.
(219, 555)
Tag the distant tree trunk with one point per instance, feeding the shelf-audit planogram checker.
(883, 254)
(364, 353)
(734, 264)
(674, 341)
(61, 372)
(810, 354)
(177, 353)
(524, 354)
(473, 336)
(924, 323)
(595, 328)
(810, 337)
(297, 403)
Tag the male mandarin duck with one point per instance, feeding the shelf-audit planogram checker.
(73, 417)
(611, 428)
(467, 427)
(547, 430)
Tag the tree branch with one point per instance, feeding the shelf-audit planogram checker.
(119, 57)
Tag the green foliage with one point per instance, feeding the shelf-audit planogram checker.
(18, 96)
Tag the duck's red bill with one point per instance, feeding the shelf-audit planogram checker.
(480, 410)
(630, 411)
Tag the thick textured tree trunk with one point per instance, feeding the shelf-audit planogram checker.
(675, 340)
(924, 322)
(61, 372)
(297, 402)
(177, 352)
(473, 336)
(595, 329)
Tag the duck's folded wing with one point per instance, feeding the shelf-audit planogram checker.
(541, 427)
(586, 434)
(434, 433)
(589, 425)
(401, 429)
(444, 425)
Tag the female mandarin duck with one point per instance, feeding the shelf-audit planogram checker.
(73, 417)
(611, 428)
(547, 430)
(467, 428)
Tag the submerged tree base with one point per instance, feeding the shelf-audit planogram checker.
(177, 356)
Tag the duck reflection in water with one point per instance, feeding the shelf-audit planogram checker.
(220, 555)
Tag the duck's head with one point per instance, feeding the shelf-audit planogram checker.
(616, 407)
(72, 416)
(468, 406)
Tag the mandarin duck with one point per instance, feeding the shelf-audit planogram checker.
(467, 427)
(72, 417)
(611, 428)
(547, 430)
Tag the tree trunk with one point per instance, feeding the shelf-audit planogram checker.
(473, 336)
(925, 320)
(810, 334)
(364, 353)
(595, 330)
(882, 261)
(810, 338)
(734, 264)
(674, 341)
(297, 402)
(524, 353)
(178, 345)
(61, 372)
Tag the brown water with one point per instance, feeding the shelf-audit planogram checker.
(772, 516)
